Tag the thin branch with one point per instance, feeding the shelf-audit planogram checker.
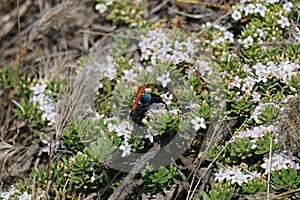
(121, 192)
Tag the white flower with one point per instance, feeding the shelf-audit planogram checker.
(38, 98)
(109, 2)
(110, 71)
(130, 76)
(257, 112)
(236, 15)
(38, 88)
(101, 7)
(178, 56)
(175, 112)
(126, 149)
(150, 135)
(219, 40)
(260, 68)
(262, 77)
(208, 24)
(221, 175)
(164, 79)
(246, 88)
(260, 9)
(168, 97)
(239, 178)
(98, 116)
(204, 68)
(228, 36)
(192, 106)
(178, 45)
(190, 46)
(100, 85)
(256, 96)
(144, 43)
(235, 82)
(261, 32)
(249, 9)
(125, 128)
(24, 196)
(49, 112)
(272, 1)
(284, 22)
(93, 178)
(287, 6)
(248, 41)
(198, 122)
(11, 191)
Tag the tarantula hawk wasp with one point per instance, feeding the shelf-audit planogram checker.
(142, 104)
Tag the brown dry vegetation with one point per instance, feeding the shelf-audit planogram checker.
(46, 38)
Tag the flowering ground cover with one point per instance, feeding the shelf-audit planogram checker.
(150, 100)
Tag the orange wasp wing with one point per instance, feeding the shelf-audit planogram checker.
(138, 96)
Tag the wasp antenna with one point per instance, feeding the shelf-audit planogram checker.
(138, 96)
(166, 106)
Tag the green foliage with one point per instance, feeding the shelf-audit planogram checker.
(220, 191)
(264, 144)
(240, 107)
(241, 148)
(271, 91)
(268, 114)
(205, 111)
(92, 134)
(128, 12)
(11, 80)
(80, 174)
(254, 186)
(102, 149)
(80, 170)
(164, 123)
(230, 64)
(160, 180)
(287, 179)
(72, 140)
(28, 110)
(8, 77)
(295, 82)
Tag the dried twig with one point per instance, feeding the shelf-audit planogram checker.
(10, 24)
(122, 191)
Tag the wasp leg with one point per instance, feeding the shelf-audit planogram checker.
(139, 114)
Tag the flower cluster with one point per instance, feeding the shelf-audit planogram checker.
(255, 133)
(107, 67)
(226, 37)
(262, 73)
(259, 13)
(258, 110)
(128, 11)
(257, 8)
(102, 7)
(235, 175)
(21, 196)
(125, 129)
(160, 45)
(284, 159)
(42, 97)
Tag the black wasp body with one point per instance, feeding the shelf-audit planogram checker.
(139, 113)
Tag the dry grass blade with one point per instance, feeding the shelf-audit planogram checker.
(78, 98)
(11, 158)
(288, 122)
(59, 16)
